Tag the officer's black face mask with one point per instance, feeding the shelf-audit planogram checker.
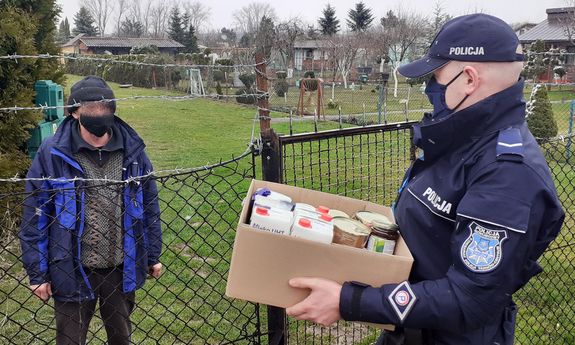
(436, 94)
(97, 124)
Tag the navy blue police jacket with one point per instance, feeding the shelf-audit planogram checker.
(53, 216)
(476, 210)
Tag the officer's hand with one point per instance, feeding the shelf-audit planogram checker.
(42, 291)
(155, 270)
(322, 304)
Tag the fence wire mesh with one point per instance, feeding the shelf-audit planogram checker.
(547, 309)
(368, 163)
(364, 163)
(186, 305)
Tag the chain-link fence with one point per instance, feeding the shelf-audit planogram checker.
(185, 305)
(364, 163)
(368, 163)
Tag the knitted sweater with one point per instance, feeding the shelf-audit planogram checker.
(102, 239)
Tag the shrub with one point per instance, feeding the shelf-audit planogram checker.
(248, 80)
(281, 87)
(281, 74)
(219, 89)
(245, 96)
(219, 76)
(309, 74)
(145, 49)
(540, 117)
(224, 62)
(332, 104)
(310, 84)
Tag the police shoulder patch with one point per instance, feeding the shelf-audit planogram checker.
(402, 299)
(482, 251)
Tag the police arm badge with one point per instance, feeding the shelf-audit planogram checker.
(482, 251)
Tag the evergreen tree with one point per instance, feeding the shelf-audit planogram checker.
(328, 24)
(390, 20)
(312, 33)
(190, 40)
(131, 28)
(246, 40)
(63, 31)
(540, 117)
(84, 23)
(67, 28)
(175, 30)
(360, 18)
(230, 35)
(27, 27)
(266, 36)
(536, 63)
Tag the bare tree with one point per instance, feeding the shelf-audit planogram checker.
(439, 18)
(121, 8)
(343, 49)
(287, 32)
(248, 18)
(100, 11)
(141, 11)
(403, 31)
(198, 13)
(567, 20)
(159, 14)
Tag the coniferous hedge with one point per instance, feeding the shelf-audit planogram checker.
(26, 28)
(540, 117)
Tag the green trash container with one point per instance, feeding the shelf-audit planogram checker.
(363, 78)
(48, 94)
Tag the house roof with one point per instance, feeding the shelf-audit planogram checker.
(546, 31)
(123, 42)
(310, 44)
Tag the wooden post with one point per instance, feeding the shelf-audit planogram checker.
(262, 89)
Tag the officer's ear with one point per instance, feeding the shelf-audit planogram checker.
(472, 79)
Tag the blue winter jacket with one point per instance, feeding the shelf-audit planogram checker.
(53, 217)
(476, 210)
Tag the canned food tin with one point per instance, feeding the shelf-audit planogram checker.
(338, 213)
(368, 217)
(350, 232)
(382, 241)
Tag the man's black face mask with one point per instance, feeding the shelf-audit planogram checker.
(97, 124)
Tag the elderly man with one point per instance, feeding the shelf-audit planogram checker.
(86, 241)
(498, 212)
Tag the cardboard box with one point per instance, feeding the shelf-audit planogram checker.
(263, 262)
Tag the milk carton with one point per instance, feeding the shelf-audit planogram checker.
(272, 220)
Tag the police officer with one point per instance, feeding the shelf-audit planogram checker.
(477, 209)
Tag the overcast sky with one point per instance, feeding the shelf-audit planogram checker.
(512, 11)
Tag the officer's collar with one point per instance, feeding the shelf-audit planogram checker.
(498, 111)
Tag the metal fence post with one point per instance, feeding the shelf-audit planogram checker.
(571, 114)
(380, 102)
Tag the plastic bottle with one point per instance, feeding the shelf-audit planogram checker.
(312, 229)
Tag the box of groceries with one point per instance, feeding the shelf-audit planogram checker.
(286, 232)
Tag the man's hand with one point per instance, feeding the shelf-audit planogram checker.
(322, 305)
(42, 291)
(155, 270)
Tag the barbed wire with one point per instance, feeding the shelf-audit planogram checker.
(257, 95)
(15, 57)
(137, 179)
